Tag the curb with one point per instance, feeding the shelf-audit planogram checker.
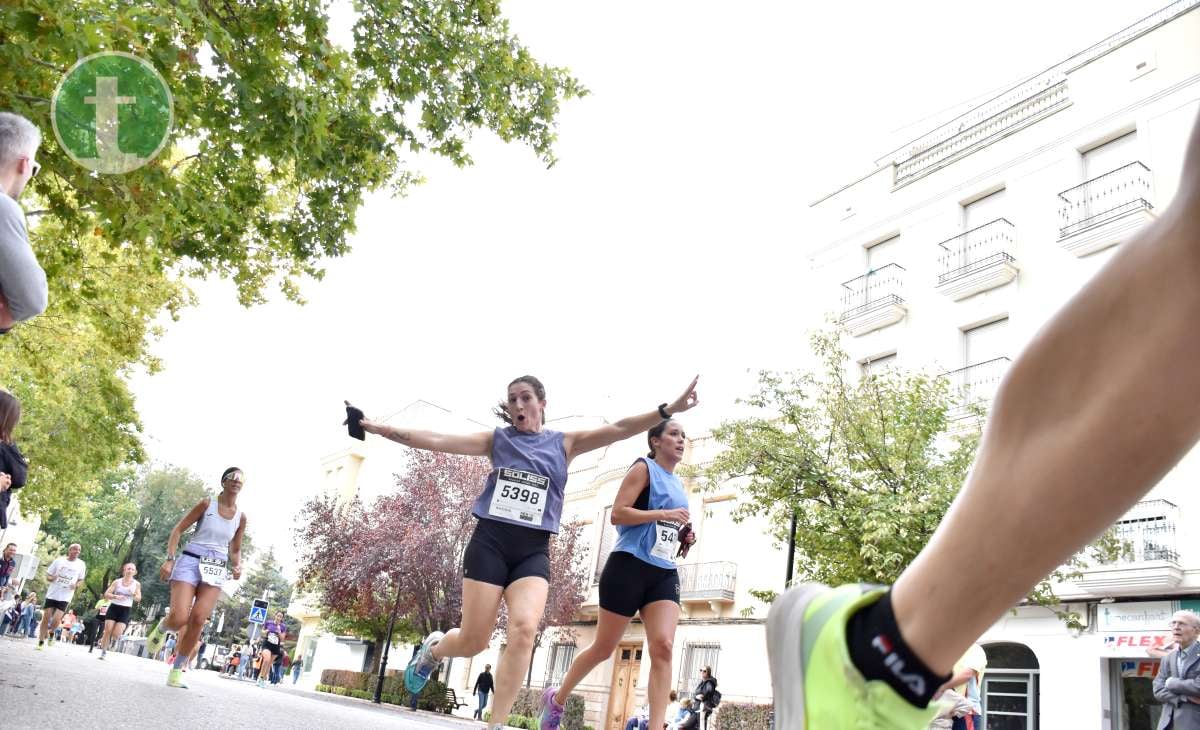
(434, 717)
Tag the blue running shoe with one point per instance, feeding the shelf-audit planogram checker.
(416, 674)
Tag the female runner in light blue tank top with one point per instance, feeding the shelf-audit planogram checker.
(521, 503)
(650, 510)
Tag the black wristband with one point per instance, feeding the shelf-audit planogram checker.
(662, 411)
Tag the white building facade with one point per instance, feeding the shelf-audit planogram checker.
(952, 253)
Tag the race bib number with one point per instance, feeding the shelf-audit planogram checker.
(103, 610)
(272, 637)
(66, 581)
(520, 496)
(212, 571)
(666, 540)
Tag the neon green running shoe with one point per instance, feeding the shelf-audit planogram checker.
(175, 679)
(816, 685)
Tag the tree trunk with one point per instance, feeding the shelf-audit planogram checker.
(376, 655)
(537, 640)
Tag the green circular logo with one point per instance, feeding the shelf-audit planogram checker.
(112, 112)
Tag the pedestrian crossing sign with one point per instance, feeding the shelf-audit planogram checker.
(258, 614)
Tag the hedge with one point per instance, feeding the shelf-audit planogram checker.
(742, 716)
(349, 683)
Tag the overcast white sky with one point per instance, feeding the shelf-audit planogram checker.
(667, 241)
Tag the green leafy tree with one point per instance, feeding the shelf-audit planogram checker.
(127, 519)
(867, 467)
(279, 134)
(101, 523)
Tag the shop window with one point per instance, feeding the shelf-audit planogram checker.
(561, 655)
(696, 655)
(1010, 688)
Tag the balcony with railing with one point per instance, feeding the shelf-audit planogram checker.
(873, 300)
(711, 583)
(1105, 210)
(980, 259)
(1149, 560)
(975, 386)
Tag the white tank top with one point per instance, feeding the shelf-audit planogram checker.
(214, 532)
(124, 592)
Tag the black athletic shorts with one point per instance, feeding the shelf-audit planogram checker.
(57, 605)
(501, 554)
(273, 648)
(117, 614)
(628, 583)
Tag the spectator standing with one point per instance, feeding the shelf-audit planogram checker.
(297, 664)
(483, 687)
(8, 563)
(13, 467)
(1179, 676)
(23, 290)
(29, 616)
(706, 694)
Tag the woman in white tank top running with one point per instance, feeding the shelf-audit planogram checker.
(200, 569)
(122, 592)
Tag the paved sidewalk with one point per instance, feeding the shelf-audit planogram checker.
(66, 687)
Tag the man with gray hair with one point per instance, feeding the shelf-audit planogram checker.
(22, 282)
(1177, 684)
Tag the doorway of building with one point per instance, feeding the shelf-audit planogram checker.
(627, 665)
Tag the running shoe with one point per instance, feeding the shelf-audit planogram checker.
(41, 647)
(50, 641)
(816, 685)
(261, 683)
(416, 674)
(175, 679)
(551, 713)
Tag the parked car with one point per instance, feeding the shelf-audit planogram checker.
(214, 657)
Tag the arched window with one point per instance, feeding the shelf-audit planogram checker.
(1010, 687)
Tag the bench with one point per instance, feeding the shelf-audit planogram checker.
(452, 701)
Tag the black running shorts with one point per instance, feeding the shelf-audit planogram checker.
(275, 649)
(117, 614)
(501, 554)
(628, 583)
(57, 605)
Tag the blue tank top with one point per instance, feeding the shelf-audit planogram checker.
(656, 542)
(529, 476)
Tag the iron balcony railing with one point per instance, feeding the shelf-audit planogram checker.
(1148, 530)
(1103, 198)
(979, 248)
(707, 581)
(976, 384)
(876, 288)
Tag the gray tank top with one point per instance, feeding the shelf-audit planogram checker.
(214, 532)
(124, 593)
(529, 476)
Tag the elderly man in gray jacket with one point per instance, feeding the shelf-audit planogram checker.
(23, 290)
(1177, 685)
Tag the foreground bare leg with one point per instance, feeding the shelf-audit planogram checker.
(526, 600)
(1099, 406)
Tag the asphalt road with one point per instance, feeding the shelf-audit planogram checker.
(66, 687)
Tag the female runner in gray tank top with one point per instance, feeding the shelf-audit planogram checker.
(200, 569)
(518, 510)
(121, 593)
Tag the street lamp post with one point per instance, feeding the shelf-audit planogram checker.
(386, 645)
(791, 551)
